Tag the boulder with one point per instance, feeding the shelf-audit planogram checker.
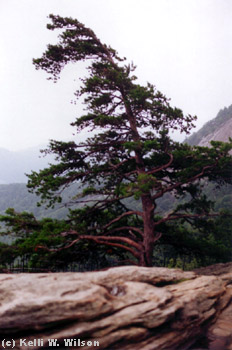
(120, 308)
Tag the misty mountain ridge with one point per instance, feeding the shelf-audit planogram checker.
(16, 164)
(217, 129)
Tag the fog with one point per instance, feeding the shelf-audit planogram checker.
(183, 47)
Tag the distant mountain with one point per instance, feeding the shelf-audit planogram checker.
(217, 129)
(14, 165)
(17, 196)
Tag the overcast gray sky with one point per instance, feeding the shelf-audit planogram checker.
(184, 47)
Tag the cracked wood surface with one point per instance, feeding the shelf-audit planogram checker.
(125, 308)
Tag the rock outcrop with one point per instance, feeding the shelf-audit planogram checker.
(223, 133)
(120, 308)
(216, 129)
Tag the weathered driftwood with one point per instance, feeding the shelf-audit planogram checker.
(121, 308)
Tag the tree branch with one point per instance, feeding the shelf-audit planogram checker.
(178, 184)
(131, 212)
(155, 170)
(100, 240)
(183, 216)
(127, 228)
(105, 238)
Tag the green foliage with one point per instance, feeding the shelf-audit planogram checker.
(39, 244)
(7, 254)
(188, 247)
(20, 223)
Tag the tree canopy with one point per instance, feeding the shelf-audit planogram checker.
(130, 156)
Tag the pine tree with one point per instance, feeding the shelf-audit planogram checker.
(130, 156)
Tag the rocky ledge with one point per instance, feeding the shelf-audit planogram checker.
(120, 308)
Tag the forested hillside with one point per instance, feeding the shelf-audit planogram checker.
(17, 196)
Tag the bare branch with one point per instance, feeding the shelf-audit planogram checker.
(102, 240)
(157, 236)
(173, 216)
(131, 212)
(130, 228)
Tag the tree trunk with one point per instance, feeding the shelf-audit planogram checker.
(147, 202)
(148, 228)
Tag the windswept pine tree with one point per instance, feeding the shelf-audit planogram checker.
(131, 154)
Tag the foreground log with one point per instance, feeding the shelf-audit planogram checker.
(121, 308)
(219, 334)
